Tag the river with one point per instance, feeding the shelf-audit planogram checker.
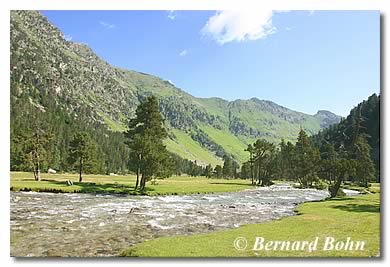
(93, 225)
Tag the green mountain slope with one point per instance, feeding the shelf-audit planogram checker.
(52, 75)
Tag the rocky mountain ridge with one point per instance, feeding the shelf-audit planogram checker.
(50, 73)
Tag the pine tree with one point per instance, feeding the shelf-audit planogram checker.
(82, 154)
(145, 140)
(305, 160)
(262, 161)
(251, 162)
(227, 169)
(264, 156)
(33, 145)
(365, 169)
(209, 171)
(335, 167)
(218, 171)
(284, 159)
(245, 170)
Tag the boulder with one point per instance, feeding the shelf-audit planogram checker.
(50, 170)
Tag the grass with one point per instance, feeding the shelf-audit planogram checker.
(354, 217)
(123, 184)
(230, 143)
(113, 125)
(373, 188)
(187, 148)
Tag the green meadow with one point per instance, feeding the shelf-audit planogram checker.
(123, 184)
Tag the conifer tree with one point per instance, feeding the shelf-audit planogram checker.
(305, 160)
(246, 170)
(209, 171)
(335, 167)
(365, 168)
(82, 154)
(251, 151)
(262, 159)
(34, 143)
(264, 156)
(284, 160)
(218, 171)
(145, 140)
(227, 169)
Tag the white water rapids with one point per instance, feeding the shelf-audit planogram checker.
(89, 225)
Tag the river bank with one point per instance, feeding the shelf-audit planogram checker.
(353, 217)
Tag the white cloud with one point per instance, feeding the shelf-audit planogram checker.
(288, 29)
(183, 53)
(107, 25)
(311, 12)
(240, 25)
(171, 14)
(68, 38)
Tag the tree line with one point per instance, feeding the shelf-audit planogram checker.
(311, 166)
(304, 163)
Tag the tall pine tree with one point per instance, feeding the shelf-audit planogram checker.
(305, 160)
(145, 136)
(82, 154)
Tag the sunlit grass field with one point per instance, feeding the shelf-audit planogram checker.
(123, 184)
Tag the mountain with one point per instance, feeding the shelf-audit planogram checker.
(327, 118)
(69, 87)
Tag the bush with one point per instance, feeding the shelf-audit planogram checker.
(320, 185)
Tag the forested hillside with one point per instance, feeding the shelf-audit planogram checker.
(363, 120)
(62, 87)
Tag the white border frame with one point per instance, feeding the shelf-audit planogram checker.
(6, 260)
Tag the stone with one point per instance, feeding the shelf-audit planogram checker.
(52, 171)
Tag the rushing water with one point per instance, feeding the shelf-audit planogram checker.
(87, 225)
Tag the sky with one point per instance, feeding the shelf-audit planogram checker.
(303, 60)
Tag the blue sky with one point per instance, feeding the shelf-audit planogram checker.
(303, 60)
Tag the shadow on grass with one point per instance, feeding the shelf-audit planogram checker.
(340, 199)
(104, 188)
(231, 183)
(116, 188)
(359, 208)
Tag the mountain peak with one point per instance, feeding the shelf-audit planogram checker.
(326, 113)
(327, 118)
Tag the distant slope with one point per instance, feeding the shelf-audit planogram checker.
(50, 73)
